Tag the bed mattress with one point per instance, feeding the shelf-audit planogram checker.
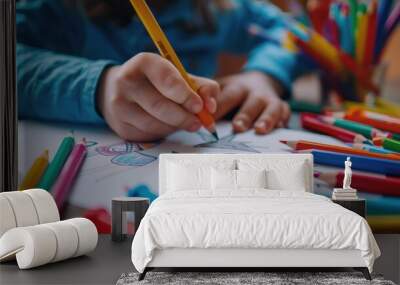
(251, 219)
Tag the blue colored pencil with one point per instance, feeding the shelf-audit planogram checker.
(383, 13)
(345, 32)
(376, 165)
(376, 204)
(381, 205)
(371, 148)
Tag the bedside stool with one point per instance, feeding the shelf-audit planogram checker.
(120, 206)
(357, 206)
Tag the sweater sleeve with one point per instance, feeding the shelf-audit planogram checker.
(263, 55)
(57, 87)
(54, 82)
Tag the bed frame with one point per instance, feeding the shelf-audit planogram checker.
(249, 259)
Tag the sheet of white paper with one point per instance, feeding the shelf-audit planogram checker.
(113, 165)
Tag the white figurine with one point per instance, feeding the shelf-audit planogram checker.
(347, 174)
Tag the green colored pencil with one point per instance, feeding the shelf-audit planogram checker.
(365, 130)
(55, 166)
(389, 144)
(300, 106)
(353, 20)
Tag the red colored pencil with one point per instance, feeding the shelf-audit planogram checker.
(364, 182)
(311, 122)
(332, 30)
(384, 123)
(309, 145)
(318, 12)
(362, 74)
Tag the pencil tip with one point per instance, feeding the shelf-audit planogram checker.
(283, 141)
(215, 135)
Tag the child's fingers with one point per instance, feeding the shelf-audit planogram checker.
(269, 117)
(250, 110)
(167, 80)
(208, 90)
(133, 114)
(209, 87)
(164, 109)
(231, 97)
(285, 113)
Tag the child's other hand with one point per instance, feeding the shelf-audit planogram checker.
(146, 98)
(257, 96)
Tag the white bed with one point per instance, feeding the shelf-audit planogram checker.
(194, 223)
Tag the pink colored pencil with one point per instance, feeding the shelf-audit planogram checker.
(63, 184)
(392, 21)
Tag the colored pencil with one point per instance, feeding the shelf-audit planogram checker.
(300, 106)
(33, 175)
(318, 12)
(167, 51)
(381, 205)
(387, 143)
(365, 182)
(391, 107)
(328, 51)
(384, 223)
(55, 166)
(382, 122)
(362, 75)
(333, 29)
(371, 35)
(322, 60)
(346, 42)
(372, 148)
(370, 164)
(307, 145)
(63, 184)
(365, 130)
(377, 108)
(362, 19)
(314, 124)
(353, 19)
(376, 204)
(392, 22)
(383, 13)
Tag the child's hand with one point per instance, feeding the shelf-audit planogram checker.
(146, 98)
(257, 96)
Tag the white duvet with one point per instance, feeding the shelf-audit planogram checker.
(250, 219)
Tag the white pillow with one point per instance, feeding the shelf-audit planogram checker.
(223, 179)
(251, 178)
(182, 178)
(282, 174)
(226, 179)
(282, 179)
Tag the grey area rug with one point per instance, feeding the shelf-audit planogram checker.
(268, 278)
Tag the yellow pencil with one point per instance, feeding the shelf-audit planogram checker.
(379, 108)
(384, 223)
(36, 171)
(325, 49)
(167, 51)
